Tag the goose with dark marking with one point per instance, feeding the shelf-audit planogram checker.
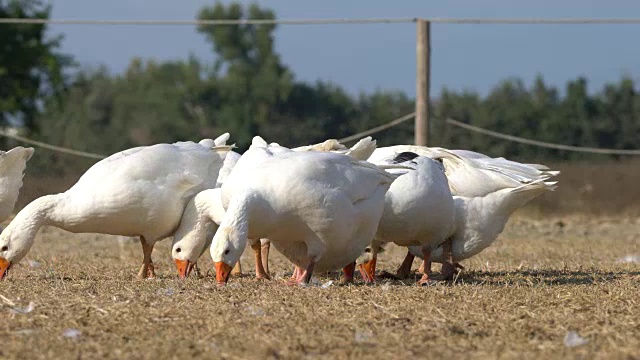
(418, 211)
(486, 192)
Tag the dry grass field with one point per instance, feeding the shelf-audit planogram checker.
(518, 299)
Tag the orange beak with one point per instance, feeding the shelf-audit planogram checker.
(222, 273)
(368, 270)
(4, 267)
(184, 268)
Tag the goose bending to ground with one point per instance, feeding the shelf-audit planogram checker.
(418, 211)
(476, 180)
(362, 150)
(190, 241)
(137, 192)
(479, 221)
(12, 166)
(320, 210)
(205, 211)
(202, 216)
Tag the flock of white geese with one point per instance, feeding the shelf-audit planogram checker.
(325, 207)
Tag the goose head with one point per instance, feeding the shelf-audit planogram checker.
(226, 249)
(190, 246)
(14, 245)
(231, 237)
(19, 236)
(367, 260)
(200, 220)
(185, 256)
(366, 256)
(189, 240)
(5, 264)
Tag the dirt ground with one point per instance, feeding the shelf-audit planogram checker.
(76, 296)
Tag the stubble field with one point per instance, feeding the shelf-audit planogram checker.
(76, 296)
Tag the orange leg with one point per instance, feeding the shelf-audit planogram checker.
(265, 257)
(260, 273)
(303, 275)
(296, 272)
(448, 267)
(426, 277)
(147, 269)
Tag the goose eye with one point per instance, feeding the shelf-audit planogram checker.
(4, 248)
(367, 250)
(226, 252)
(178, 250)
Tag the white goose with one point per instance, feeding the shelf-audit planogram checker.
(137, 192)
(419, 211)
(192, 239)
(190, 215)
(320, 210)
(12, 166)
(487, 191)
(202, 216)
(479, 221)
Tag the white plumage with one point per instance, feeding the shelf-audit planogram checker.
(419, 211)
(191, 239)
(318, 209)
(486, 192)
(137, 192)
(479, 220)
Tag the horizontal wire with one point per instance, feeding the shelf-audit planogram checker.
(496, 21)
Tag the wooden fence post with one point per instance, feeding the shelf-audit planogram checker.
(423, 65)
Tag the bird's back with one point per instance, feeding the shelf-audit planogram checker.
(314, 172)
(140, 191)
(161, 164)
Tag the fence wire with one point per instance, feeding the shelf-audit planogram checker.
(372, 131)
(337, 21)
(379, 128)
(542, 144)
(59, 149)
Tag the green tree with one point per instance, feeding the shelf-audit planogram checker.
(249, 91)
(251, 80)
(379, 108)
(31, 66)
(150, 103)
(620, 115)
